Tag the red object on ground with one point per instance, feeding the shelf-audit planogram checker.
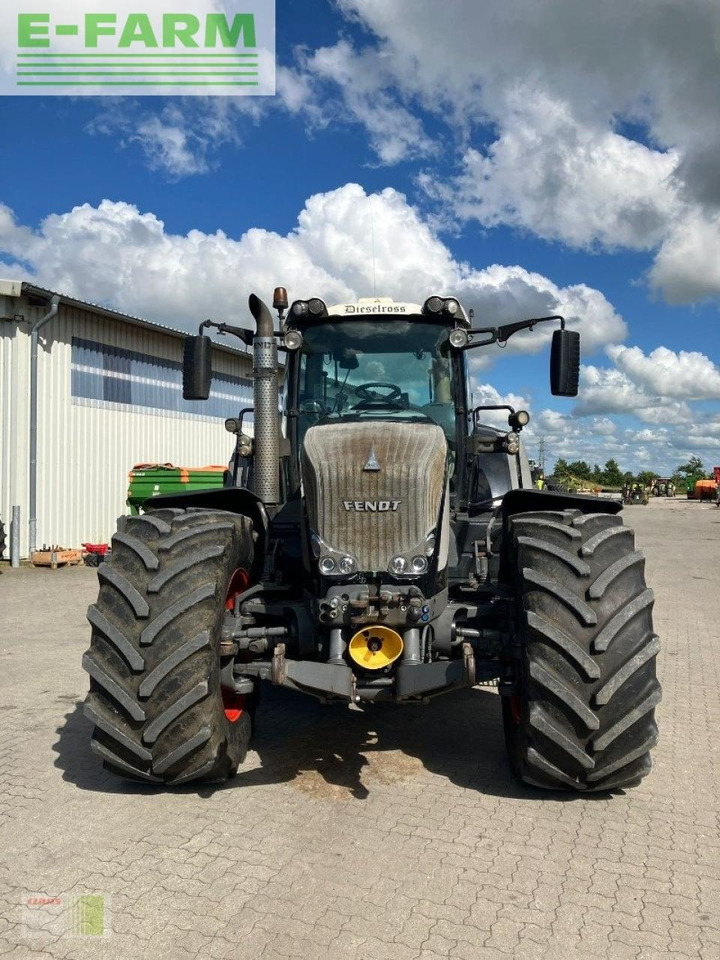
(101, 548)
(716, 472)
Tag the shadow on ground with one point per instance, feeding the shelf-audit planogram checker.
(335, 753)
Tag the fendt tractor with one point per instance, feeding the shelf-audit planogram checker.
(375, 541)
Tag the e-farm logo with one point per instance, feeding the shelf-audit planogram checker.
(93, 47)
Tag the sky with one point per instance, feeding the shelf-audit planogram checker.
(529, 158)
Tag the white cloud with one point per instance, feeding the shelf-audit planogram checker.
(168, 146)
(609, 390)
(585, 438)
(182, 139)
(688, 375)
(593, 125)
(654, 63)
(647, 436)
(115, 254)
(656, 388)
(687, 266)
(567, 87)
(394, 132)
(486, 393)
(592, 439)
(583, 184)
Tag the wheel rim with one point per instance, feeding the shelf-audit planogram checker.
(234, 703)
(238, 584)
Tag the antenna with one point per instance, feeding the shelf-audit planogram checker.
(372, 231)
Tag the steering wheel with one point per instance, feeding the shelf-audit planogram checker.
(368, 398)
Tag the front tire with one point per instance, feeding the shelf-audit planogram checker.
(582, 714)
(159, 710)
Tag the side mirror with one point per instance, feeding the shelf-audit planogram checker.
(197, 368)
(565, 363)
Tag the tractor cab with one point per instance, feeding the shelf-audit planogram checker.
(373, 360)
(384, 361)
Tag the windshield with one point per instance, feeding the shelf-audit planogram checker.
(375, 368)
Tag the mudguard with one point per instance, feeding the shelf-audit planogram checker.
(529, 500)
(523, 501)
(233, 499)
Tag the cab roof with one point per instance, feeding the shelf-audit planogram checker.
(383, 306)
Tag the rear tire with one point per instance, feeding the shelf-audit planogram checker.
(582, 715)
(155, 697)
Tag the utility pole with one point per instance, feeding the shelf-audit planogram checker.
(541, 454)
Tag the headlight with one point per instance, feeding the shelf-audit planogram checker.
(346, 565)
(293, 340)
(434, 305)
(232, 425)
(327, 565)
(315, 308)
(519, 419)
(458, 338)
(419, 564)
(430, 544)
(398, 565)
(446, 305)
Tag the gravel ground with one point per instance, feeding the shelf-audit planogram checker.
(392, 833)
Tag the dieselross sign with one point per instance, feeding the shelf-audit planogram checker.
(151, 47)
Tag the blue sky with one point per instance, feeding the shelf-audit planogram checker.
(479, 139)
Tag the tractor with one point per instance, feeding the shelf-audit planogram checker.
(376, 541)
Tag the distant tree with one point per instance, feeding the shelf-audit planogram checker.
(678, 480)
(612, 475)
(646, 477)
(693, 467)
(580, 469)
(628, 478)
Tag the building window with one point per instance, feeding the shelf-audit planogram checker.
(104, 373)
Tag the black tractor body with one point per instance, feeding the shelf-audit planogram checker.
(377, 540)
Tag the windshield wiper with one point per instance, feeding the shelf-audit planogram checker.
(341, 394)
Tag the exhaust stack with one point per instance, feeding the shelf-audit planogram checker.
(266, 482)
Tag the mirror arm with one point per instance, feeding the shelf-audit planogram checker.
(493, 331)
(240, 332)
(502, 334)
(505, 332)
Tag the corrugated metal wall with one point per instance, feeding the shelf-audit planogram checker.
(14, 414)
(86, 448)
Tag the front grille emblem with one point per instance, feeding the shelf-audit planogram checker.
(372, 465)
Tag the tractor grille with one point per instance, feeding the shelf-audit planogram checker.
(374, 513)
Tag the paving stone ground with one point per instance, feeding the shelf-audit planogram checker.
(391, 834)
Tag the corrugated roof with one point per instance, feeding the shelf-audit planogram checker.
(33, 290)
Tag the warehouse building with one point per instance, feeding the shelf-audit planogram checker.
(85, 394)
